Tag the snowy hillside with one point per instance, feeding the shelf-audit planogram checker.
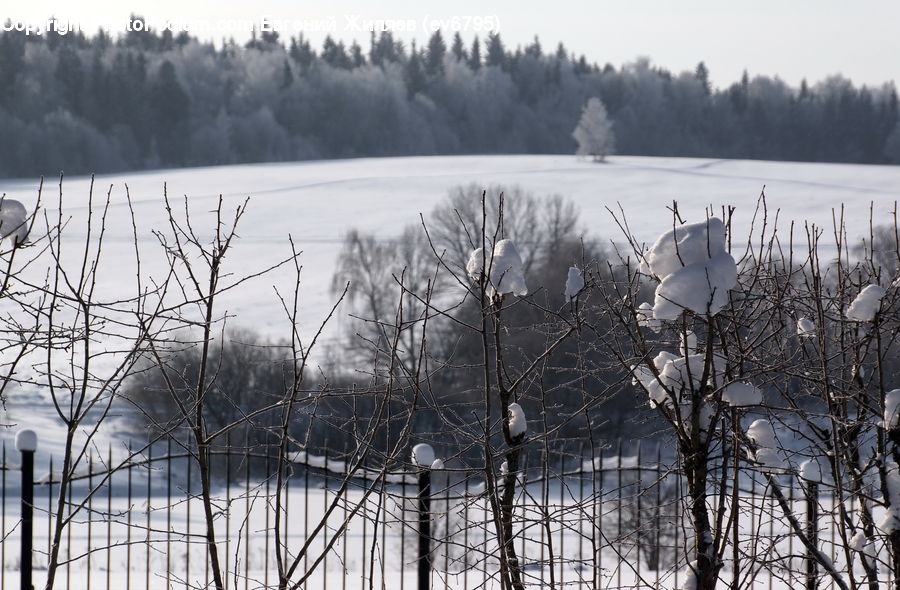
(316, 202)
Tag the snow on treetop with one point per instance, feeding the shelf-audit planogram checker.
(13, 221)
(518, 425)
(574, 282)
(866, 304)
(695, 271)
(740, 394)
(507, 274)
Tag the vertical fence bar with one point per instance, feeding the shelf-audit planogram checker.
(325, 511)
(187, 525)
(383, 510)
(639, 473)
(26, 444)
(229, 479)
(306, 513)
(149, 509)
(168, 512)
(465, 563)
(3, 519)
(545, 474)
(446, 533)
(484, 544)
(735, 505)
(403, 505)
(526, 516)
(812, 533)
(69, 535)
(286, 510)
(205, 549)
(90, 513)
(619, 507)
(424, 557)
(598, 504)
(658, 514)
(344, 544)
(247, 519)
(128, 522)
(109, 512)
(790, 537)
(580, 512)
(266, 508)
(562, 517)
(365, 526)
(771, 534)
(678, 497)
(50, 508)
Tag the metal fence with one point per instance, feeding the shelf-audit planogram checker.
(610, 517)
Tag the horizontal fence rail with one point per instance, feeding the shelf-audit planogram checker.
(612, 517)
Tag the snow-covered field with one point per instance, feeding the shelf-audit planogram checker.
(315, 203)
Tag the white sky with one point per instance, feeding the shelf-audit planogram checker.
(790, 38)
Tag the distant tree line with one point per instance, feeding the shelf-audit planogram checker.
(83, 103)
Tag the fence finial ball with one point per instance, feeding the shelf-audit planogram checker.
(26, 440)
(423, 455)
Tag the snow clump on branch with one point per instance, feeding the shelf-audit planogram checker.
(645, 317)
(739, 394)
(811, 471)
(891, 521)
(518, 425)
(762, 434)
(574, 282)
(695, 271)
(892, 409)
(507, 273)
(13, 221)
(866, 304)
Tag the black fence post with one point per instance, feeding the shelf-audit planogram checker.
(423, 458)
(26, 443)
(812, 533)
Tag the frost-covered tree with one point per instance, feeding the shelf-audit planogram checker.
(594, 132)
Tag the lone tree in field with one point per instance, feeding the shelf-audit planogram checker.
(594, 132)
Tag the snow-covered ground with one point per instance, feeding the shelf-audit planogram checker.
(317, 202)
